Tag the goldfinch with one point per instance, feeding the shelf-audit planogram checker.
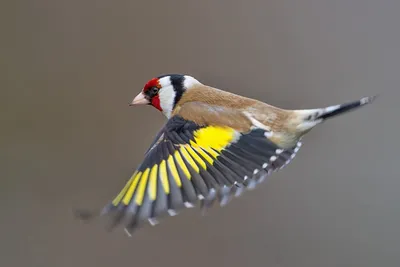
(214, 145)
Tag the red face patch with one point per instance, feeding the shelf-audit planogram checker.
(150, 94)
(155, 101)
(152, 83)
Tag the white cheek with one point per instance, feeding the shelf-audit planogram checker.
(167, 96)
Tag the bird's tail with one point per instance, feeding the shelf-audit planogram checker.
(309, 118)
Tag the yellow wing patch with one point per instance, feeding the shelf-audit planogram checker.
(153, 182)
(182, 164)
(164, 176)
(207, 144)
(190, 160)
(119, 197)
(174, 171)
(202, 153)
(128, 196)
(215, 137)
(142, 187)
(196, 157)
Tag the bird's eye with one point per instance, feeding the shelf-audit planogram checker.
(153, 91)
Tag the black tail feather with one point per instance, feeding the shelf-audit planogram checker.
(333, 111)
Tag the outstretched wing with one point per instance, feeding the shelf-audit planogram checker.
(190, 162)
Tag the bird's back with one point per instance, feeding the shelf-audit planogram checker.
(220, 100)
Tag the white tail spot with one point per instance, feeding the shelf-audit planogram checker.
(331, 108)
(366, 100)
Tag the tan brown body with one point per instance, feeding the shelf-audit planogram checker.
(206, 105)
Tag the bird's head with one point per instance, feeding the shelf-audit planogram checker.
(164, 92)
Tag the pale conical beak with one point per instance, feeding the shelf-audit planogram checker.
(140, 99)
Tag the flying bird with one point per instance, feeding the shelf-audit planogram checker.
(214, 145)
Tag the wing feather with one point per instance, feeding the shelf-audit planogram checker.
(187, 163)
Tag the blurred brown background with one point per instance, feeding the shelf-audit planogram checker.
(69, 139)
